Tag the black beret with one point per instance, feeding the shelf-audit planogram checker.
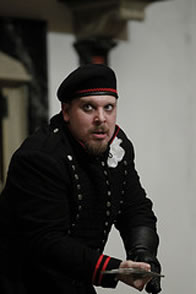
(88, 80)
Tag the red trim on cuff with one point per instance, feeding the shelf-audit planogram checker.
(103, 269)
(96, 267)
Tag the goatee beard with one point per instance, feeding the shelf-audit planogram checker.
(96, 149)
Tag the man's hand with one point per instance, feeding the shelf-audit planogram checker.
(140, 255)
(130, 280)
(145, 256)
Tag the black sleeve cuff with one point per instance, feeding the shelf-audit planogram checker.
(105, 263)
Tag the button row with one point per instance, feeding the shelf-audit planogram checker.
(79, 194)
(124, 186)
(108, 202)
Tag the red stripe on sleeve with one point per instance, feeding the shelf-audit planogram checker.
(96, 267)
(103, 269)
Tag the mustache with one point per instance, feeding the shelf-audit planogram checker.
(100, 129)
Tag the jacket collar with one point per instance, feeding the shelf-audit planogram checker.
(57, 121)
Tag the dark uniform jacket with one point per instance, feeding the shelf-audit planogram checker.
(57, 209)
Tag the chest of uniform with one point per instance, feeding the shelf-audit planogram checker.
(96, 189)
(96, 197)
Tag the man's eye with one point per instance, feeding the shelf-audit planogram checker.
(87, 107)
(109, 107)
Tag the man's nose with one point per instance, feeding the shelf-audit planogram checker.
(100, 116)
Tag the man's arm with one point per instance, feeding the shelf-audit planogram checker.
(143, 243)
(137, 223)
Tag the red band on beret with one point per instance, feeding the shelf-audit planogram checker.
(97, 90)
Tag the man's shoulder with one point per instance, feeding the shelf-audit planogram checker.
(124, 137)
(44, 140)
(49, 140)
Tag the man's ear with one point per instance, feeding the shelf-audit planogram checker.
(65, 111)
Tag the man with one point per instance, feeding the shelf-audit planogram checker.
(67, 185)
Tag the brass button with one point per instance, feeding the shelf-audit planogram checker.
(107, 212)
(78, 186)
(76, 176)
(108, 204)
(56, 130)
(70, 157)
(80, 197)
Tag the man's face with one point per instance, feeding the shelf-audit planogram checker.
(91, 120)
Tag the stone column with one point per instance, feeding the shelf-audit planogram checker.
(98, 24)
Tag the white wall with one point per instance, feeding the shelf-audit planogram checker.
(156, 70)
